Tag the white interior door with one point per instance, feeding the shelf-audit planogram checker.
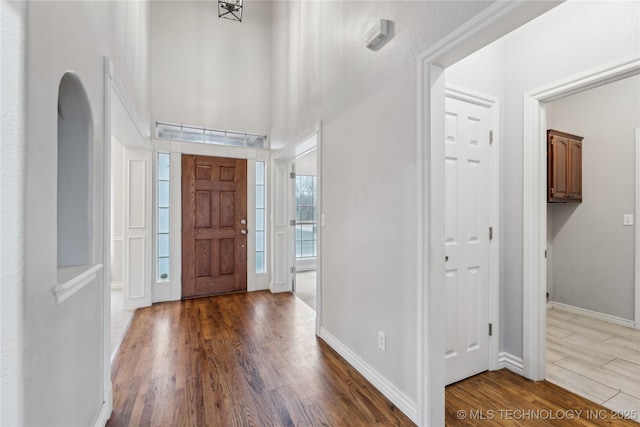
(467, 238)
(284, 237)
(137, 228)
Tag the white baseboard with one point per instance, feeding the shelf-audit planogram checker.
(124, 332)
(511, 362)
(277, 288)
(391, 392)
(592, 314)
(104, 415)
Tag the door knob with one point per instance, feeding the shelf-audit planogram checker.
(244, 231)
(446, 258)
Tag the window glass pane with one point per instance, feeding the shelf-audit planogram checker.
(255, 141)
(163, 194)
(163, 250)
(163, 220)
(306, 214)
(260, 262)
(193, 134)
(308, 249)
(214, 137)
(259, 219)
(169, 131)
(235, 139)
(259, 197)
(163, 268)
(163, 166)
(163, 245)
(259, 173)
(259, 241)
(260, 212)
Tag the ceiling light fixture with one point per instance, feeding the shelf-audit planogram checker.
(230, 9)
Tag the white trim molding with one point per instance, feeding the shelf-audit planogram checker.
(103, 415)
(390, 391)
(72, 279)
(495, 21)
(511, 362)
(535, 203)
(637, 233)
(590, 313)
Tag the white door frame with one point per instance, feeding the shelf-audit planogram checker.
(492, 103)
(113, 92)
(300, 145)
(171, 290)
(535, 201)
(637, 230)
(495, 21)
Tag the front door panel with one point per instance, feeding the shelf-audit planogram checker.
(214, 228)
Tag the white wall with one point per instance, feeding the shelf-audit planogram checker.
(593, 251)
(13, 34)
(567, 40)
(63, 353)
(117, 213)
(367, 103)
(208, 71)
(307, 164)
(484, 71)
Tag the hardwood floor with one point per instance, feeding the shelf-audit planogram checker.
(594, 359)
(252, 359)
(248, 359)
(503, 398)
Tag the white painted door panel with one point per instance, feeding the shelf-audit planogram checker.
(137, 229)
(283, 242)
(467, 214)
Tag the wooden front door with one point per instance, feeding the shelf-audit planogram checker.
(214, 216)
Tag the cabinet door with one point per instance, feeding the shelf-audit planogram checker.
(575, 169)
(558, 164)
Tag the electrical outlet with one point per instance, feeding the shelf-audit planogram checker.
(382, 341)
(628, 219)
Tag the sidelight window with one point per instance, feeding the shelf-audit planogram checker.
(260, 220)
(163, 225)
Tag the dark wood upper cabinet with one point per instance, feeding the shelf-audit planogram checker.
(564, 167)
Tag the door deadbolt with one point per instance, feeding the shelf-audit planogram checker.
(446, 258)
(243, 221)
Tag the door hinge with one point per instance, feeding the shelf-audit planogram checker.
(292, 222)
(292, 269)
(552, 191)
(292, 175)
(490, 233)
(490, 137)
(545, 253)
(490, 329)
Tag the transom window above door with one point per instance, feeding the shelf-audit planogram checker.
(187, 133)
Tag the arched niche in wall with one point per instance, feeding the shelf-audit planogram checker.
(75, 136)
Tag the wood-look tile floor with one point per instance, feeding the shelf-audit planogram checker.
(248, 359)
(594, 359)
